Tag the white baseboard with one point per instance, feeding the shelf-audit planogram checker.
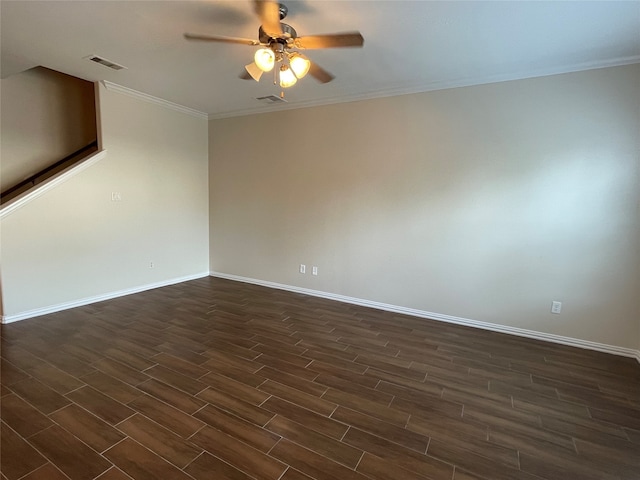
(98, 298)
(521, 332)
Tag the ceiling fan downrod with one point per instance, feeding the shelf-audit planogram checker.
(282, 10)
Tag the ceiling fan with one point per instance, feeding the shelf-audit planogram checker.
(280, 47)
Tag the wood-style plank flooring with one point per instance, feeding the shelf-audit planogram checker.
(213, 379)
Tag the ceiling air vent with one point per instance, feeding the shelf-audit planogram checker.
(271, 99)
(105, 62)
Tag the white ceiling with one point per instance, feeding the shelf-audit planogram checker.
(410, 46)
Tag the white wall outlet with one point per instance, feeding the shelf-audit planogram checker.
(303, 268)
(116, 196)
(314, 270)
(151, 265)
(556, 307)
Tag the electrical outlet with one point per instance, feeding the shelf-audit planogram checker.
(151, 265)
(303, 268)
(314, 270)
(556, 307)
(116, 196)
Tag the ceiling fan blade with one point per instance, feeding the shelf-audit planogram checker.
(269, 13)
(320, 74)
(333, 40)
(221, 39)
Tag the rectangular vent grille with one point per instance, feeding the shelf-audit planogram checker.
(271, 99)
(105, 62)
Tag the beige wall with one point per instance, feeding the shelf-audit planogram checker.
(74, 243)
(46, 116)
(484, 203)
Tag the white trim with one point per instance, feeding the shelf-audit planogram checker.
(52, 182)
(521, 332)
(98, 298)
(114, 87)
(422, 88)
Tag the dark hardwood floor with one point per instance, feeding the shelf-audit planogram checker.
(213, 379)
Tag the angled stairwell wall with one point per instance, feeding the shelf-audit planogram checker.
(46, 116)
(78, 243)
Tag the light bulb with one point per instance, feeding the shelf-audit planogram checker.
(299, 64)
(287, 78)
(265, 59)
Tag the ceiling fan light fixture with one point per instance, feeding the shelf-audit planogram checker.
(278, 44)
(265, 59)
(299, 64)
(253, 70)
(287, 77)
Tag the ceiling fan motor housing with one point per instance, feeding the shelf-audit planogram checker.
(288, 32)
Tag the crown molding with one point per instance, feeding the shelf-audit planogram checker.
(114, 87)
(409, 89)
(406, 89)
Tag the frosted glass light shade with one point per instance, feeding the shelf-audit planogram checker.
(253, 70)
(299, 64)
(287, 78)
(265, 59)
